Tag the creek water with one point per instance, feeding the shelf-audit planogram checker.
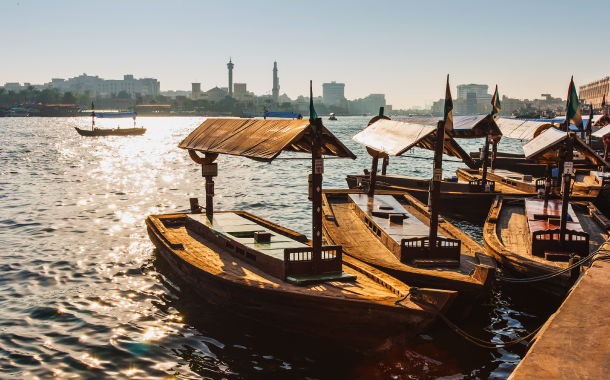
(83, 294)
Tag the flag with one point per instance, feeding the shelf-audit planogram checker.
(495, 103)
(448, 116)
(312, 112)
(572, 109)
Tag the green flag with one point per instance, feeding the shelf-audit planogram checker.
(572, 109)
(495, 103)
(312, 112)
(448, 114)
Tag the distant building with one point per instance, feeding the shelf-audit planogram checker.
(593, 93)
(214, 95)
(275, 91)
(333, 92)
(369, 105)
(230, 66)
(97, 87)
(239, 91)
(196, 91)
(478, 89)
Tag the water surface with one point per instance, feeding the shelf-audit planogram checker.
(83, 294)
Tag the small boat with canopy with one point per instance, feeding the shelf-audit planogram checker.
(264, 271)
(543, 238)
(395, 233)
(111, 131)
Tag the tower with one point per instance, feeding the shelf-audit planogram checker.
(276, 84)
(230, 67)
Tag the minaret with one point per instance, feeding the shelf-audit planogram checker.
(230, 66)
(276, 84)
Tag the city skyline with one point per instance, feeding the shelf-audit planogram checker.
(404, 57)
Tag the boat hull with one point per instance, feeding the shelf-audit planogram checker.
(111, 132)
(356, 323)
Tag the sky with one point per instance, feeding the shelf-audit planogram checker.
(403, 49)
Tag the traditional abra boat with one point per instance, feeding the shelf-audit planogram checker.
(397, 234)
(263, 271)
(540, 237)
(111, 132)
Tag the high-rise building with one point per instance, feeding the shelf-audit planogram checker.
(333, 92)
(478, 89)
(230, 67)
(195, 91)
(275, 92)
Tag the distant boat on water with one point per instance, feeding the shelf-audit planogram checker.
(111, 132)
(17, 112)
(332, 117)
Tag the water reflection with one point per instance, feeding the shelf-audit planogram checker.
(83, 293)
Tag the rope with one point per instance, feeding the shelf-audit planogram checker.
(551, 275)
(418, 297)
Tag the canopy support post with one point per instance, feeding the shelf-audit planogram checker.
(605, 157)
(567, 181)
(384, 164)
(316, 205)
(373, 176)
(485, 158)
(435, 184)
(548, 182)
(209, 196)
(493, 156)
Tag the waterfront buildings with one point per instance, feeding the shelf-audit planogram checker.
(96, 87)
(369, 105)
(230, 66)
(594, 92)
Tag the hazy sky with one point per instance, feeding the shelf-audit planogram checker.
(401, 48)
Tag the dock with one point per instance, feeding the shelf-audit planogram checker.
(575, 342)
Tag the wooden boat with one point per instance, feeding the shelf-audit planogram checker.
(523, 242)
(366, 232)
(402, 239)
(536, 237)
(264, 271)
(360, 313)
(112, 131)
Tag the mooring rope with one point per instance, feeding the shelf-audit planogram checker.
(418, 297)
(559, 272)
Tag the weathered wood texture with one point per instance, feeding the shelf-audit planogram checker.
(471, 279)
(360, 313)
(575, 342)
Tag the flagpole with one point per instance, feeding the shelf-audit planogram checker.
(435, 185)
(567, 180)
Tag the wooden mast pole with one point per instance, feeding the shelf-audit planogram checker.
(485, 156)
(317, 168)
(567, 181)
(373, 175)
(435, 184)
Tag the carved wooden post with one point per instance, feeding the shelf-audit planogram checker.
(435, 184)
(493, 156)
(317, 168)
(384, 164)
(373, 176)
(548, 182)
(567, 181)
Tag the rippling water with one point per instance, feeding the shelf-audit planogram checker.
(83, 295)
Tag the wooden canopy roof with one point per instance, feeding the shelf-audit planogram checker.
(464, 126)
(551, 138)
(261, 140)
(395, 137)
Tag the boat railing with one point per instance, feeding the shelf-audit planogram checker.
(419, 248)
(476, 186)
(548, 241)
(298, 261)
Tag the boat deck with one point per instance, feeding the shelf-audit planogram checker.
(539, 212)
(212, 259)
(242, 230)
(378, 206)
(356, 238)
(513, 233)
